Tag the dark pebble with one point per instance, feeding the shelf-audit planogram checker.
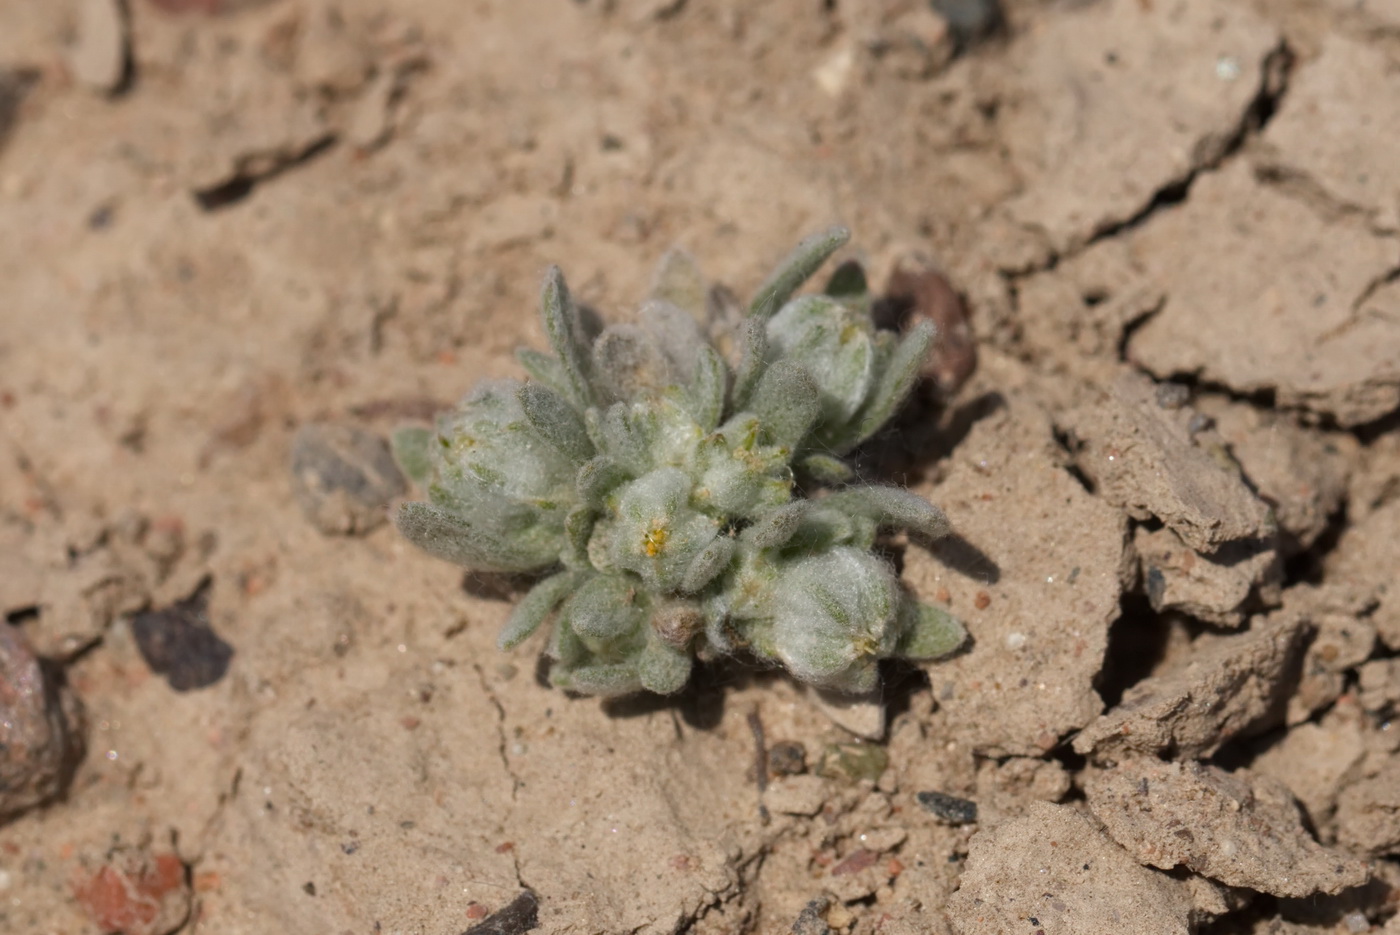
(950, 808)
(811, 920)
(521, 914)
(787, 758)
(343, 478)
(38, 747)
(970, 21)
(178, 643)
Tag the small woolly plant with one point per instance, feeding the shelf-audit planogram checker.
(652, 484)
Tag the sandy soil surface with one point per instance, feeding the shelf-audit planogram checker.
(233, 703)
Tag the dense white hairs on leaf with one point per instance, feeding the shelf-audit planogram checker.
(676, 332)
(833, 609)
(629, 365)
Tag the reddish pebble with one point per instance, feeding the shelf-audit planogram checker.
(943, 596)
(858, 860)
(136, 894)
(982, 601)
(476, 911)
(505, 847)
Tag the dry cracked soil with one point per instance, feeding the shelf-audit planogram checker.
(241, 240)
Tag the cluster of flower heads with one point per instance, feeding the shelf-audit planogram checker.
(653, 485)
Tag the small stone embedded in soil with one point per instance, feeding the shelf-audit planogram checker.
(950, 808)
(917, 291)
(136, 893)
(811, 920)
(178, 643)
(787, 758)
(1226, 687)
(37, 744)
(1055, 865)
(343, 478)
(1238, 828)
(518, 916)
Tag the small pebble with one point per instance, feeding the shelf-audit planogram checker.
(950, 808)
(343, 478)
(518, 916)
(178, 643)
(787, 758)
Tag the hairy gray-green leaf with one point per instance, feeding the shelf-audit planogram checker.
(899, 377)
(795, 269)
(537, 605)
(787, 403)
(557, 422)
(893, 506)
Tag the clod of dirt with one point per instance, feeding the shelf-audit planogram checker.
(796, 795)
(1123, 100)
(1334, 131)
(1004, 788)
(1229, 687)
(343, 478)
(949, 808)
(1315, 761)
(917, 291)
(520, 915)
(1238, 254)
(1302, 473)
(1076, 313)
(79, 578)
(1219, 588)
(178, 643)
(1378, 686)
(37, 743)
(1238, 828)
(136, 892)
(1342, 639)
(1156, 461)
(1368, 812)
(1367, 556)
(102, 56)
(1048, 560)
(1053, 869)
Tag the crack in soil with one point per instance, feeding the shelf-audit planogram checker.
(515, 781)
(500, 730)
